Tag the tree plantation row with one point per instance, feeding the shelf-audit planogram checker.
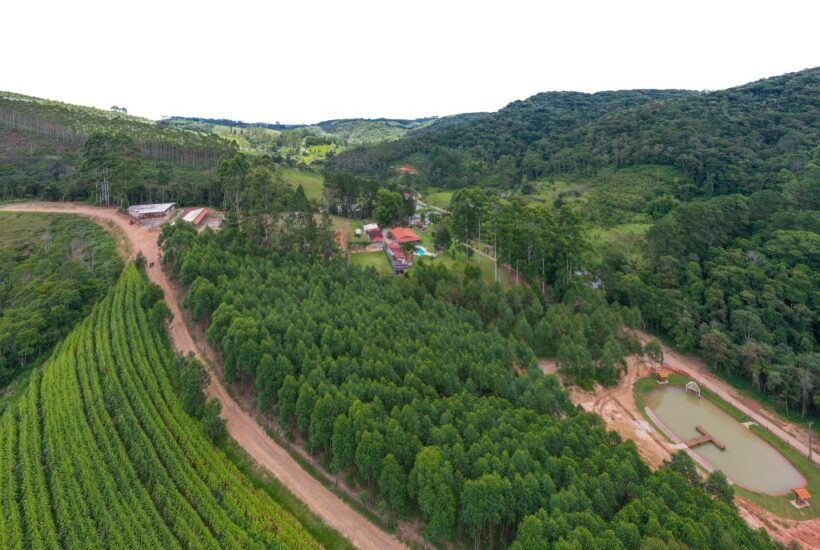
(409, 386)
(98, 453)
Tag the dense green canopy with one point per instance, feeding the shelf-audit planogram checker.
(410, 386)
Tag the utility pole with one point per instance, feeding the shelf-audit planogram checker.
(495, 257)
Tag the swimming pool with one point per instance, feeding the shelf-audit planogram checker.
(421, 251)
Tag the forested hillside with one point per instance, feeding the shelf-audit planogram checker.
(99, 453)
(410, 386)
(53, 269)
(737, 279)
(44, 153)
(490, 149)
(734, 140)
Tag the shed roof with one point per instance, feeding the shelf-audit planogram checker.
(159, 208)
(196, 215)
(802, 493)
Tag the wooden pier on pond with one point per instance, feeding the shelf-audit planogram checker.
(704, 438)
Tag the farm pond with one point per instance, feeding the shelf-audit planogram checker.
(747, 460)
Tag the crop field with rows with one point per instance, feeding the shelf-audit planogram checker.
(98, 453)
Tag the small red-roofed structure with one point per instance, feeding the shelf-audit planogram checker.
(802, 497)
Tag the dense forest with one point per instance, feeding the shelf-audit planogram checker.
(100, 453)
(53, 269)
(737, 279)
(488, 149)
(409, 386)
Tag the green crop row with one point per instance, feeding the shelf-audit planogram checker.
(100, 454)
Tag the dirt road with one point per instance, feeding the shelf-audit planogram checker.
(795, 436)
(246, 432)
(618, 409)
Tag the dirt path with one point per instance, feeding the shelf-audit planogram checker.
(807, 533)
(618, 409)
(796, 436)
(241, 426)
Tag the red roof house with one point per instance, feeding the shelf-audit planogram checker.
(405, 235)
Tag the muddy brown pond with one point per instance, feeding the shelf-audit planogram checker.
(748, 460)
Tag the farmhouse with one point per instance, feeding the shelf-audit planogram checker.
(151, 211)
(405, 235)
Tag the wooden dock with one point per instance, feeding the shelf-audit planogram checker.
(704, 438)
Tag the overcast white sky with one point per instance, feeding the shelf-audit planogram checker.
(306, 61)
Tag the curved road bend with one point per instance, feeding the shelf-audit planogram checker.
(244, 429)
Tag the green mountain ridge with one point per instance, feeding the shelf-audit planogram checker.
(727, 140)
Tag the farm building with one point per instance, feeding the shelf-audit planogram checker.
(405, 235)
(203, 217)
(151, 211)
(373, 232)
(399, 260)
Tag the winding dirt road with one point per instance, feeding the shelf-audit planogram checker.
(244, 429)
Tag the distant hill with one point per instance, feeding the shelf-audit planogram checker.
(729, 140)
(41, 145)
(348, 131)
(457, 154)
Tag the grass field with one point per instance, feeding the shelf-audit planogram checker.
(313, 184)
(779, 505)
(377, 260)
(627, 234)
(318, 152)
(440, 199)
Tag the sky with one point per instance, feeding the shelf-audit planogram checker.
(312, 60)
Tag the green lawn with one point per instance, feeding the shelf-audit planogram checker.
(440, 199)
(779, 505)
(313, 183)
(377, 260)
(627, 232)
(548, 191)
